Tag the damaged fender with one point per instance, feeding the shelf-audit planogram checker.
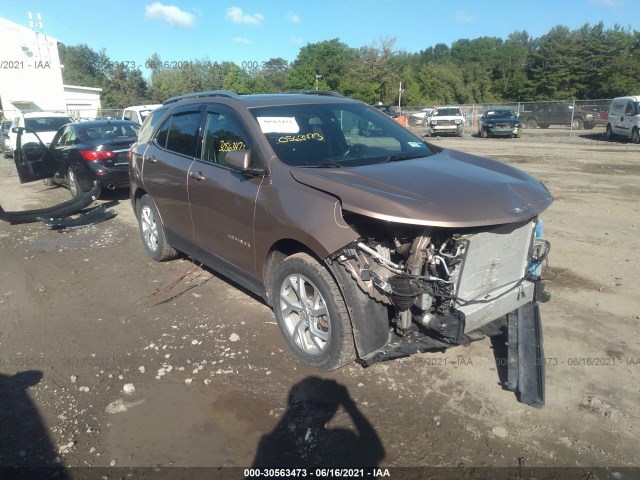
(371, 322)
(61, 210)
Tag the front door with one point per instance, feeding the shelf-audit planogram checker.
(222, 199)
(33, 160)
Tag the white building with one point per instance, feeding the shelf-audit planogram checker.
(31, 75)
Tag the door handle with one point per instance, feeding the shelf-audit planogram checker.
(152, 159)
(196, 175)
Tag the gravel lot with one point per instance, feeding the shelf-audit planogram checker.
(85, 315)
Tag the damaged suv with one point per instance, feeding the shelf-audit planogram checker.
(367, 248)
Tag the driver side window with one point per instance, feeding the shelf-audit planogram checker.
(222, 134)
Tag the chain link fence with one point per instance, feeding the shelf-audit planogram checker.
(559, 116)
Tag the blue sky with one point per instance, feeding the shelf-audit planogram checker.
(253, 31)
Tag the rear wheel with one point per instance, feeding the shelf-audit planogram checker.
(311, 313)
(72, 183)
(152, 231)
(532, 123)
(635, 137)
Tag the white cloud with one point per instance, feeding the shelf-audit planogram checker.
(236, 15)
(462, 17)
(297, 40)
(293, 17)
(174, 16)
(244, 41)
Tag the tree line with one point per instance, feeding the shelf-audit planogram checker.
(587, 63)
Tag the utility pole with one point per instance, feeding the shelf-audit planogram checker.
(318, 77)
(400, 90)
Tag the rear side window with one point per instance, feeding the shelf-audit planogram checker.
(180, 133)
(150, 125)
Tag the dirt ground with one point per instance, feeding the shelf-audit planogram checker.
(210, 381)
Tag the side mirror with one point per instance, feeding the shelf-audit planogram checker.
(240, 160)
(14, 129)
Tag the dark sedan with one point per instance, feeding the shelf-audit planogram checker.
(499, 123)
(81, 153)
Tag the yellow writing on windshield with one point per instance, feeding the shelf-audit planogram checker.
(231, 146)
(301, 138)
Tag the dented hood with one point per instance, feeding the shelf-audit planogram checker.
(447, 189)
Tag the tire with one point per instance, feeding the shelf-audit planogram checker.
(518, 135)
(578, 124)
(544, 125)
(311, 313)
(483, 133)
(152, 231)
(635, 136)
(532, 123)
(47, 182)
(609, 133)
(72, 183)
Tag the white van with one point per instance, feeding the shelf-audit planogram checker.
(138, 113)
(624, 118)
(44, 124)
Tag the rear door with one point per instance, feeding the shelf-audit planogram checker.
(222, 199)
(34, 161)
(166, 166)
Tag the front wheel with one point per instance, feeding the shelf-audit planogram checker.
(311, 313)
(578, 124)
(532, 123)
(609, 133)
(152, 231)
(483, 133)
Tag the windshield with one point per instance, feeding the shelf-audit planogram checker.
(501, 114)
(451, 112)
(336, 135)
(46, 124)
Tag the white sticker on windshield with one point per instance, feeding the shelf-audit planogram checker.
(278, 124)
(416, 144)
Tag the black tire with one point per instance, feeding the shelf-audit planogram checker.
(323, 341)
(483, 133)
(152, 231)
(73, 184)
(532, 123)
(544, 125)
(609, 133)
(635, 136)
(578, 124)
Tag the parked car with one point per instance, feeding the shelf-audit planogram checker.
(419, 118)
(624, 118)
(447, 121)
(40, 127)
(365, 247)
(138, 113)
(499, 123)
(5, 138)
(386, 109)
(600, 112)
(81, 153)
(545, 114)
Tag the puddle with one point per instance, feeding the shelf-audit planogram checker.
(170, 428)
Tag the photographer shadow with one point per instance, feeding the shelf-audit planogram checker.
(25, 448)
(301, 438)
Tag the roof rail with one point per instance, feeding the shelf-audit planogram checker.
(209, 93)
(327, 93)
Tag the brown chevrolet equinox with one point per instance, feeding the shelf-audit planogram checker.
(368, 243)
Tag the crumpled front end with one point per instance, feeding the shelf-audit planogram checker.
(444, 286)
